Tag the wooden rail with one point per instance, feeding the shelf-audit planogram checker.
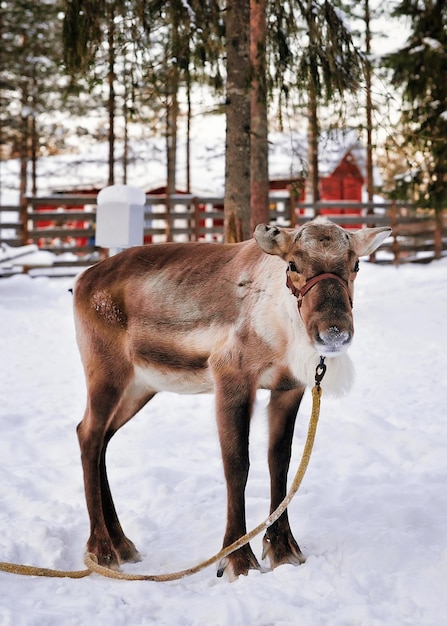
(11, 226)
(66, 223)
(418, 234)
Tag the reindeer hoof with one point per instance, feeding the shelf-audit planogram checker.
(107, 559)
(237, 563)
(127, 552)
(281, 549)
(104, 551)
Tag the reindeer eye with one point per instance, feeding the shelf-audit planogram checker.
(292, 267)
(357, 266)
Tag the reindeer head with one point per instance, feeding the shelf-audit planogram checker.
(322, 261)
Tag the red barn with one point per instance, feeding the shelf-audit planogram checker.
(341, 161)
(344, 183)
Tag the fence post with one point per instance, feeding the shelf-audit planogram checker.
(439, 219)
(292, 210)
(23, 218)
(393, 216)
(195, 232)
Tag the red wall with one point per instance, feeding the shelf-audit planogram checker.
(345, 182)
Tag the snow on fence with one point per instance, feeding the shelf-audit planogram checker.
(65, 224)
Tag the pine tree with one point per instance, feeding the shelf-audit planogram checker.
(363, 13)
(312, 55)
(30, 78)
(186, 42)
(170, 39)
(329, 65)
(309, 49)
(419, 68)
(95, 48)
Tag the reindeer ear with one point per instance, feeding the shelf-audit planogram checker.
(273, 240)
(369, 239)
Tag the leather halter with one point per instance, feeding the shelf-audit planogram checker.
(311, 282)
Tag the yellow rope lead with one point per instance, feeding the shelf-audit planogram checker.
(93, 565)
(31, 570)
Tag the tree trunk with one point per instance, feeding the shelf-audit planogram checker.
(34, 138)
(439, 219)
(111, 102)
(313, 132)
(126, 127)
(34, 149)
(313, 191)
(171, 145)
(259, 180)
(188, 129)
(24, 152)
(237, 162)
(23, 157)
(369, 146)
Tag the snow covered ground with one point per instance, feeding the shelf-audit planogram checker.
(370, 516)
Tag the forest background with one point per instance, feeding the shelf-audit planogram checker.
(75, 72)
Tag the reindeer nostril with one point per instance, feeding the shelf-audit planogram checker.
(333, 330)
(333, 339)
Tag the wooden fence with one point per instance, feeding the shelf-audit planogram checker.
(66, 224)
(419, 235)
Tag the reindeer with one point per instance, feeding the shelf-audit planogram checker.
(229, 319)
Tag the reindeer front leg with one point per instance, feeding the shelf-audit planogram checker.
(279, 543)
(234, 403)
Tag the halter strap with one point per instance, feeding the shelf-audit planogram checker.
(311, 282)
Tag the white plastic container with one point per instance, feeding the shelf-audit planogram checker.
(120, 217)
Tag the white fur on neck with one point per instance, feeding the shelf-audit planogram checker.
(339, 376)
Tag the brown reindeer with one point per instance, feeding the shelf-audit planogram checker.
(228, 319)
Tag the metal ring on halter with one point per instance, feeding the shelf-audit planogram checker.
(320, 371)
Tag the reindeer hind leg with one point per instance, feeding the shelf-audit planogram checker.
(123, 546)
(112, 401)
(91, 432)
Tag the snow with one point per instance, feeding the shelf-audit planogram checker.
(370, 514)
(434, 44)
(24, 255)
